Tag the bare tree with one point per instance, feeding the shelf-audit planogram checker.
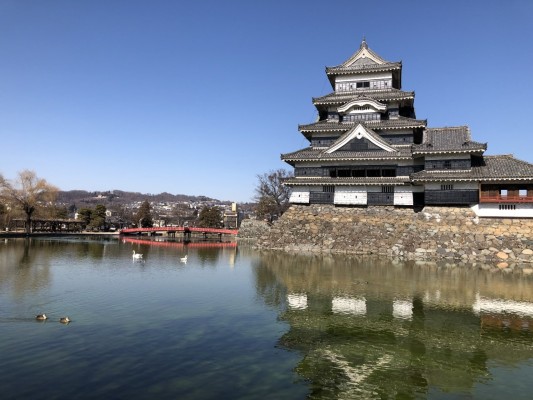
(271, 195)
(28, 193)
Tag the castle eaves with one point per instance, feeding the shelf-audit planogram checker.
(344, 97)
(335, 126)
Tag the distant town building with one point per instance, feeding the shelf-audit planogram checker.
(368, 148)
(232, 217)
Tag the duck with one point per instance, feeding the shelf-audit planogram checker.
(64, 320)
(137, 256)
(41, 317)
(183, 259)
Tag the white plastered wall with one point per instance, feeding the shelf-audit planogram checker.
(366, 77)
(299, 195)
(403, 196)
(432, 157)
(350, 195)
(456, 185)
(493, 210)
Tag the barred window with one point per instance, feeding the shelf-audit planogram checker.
(446, 187)
(387, 189)
(328, 189)
(507, 206)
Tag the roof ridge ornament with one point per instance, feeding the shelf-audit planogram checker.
(363, 43)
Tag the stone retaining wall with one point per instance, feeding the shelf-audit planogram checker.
(252, 230)
(433, 233)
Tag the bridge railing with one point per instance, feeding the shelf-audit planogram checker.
(179, 229)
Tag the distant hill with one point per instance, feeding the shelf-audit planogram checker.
(82, 197)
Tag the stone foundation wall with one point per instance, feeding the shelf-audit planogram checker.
(433, 233)
(252, 229)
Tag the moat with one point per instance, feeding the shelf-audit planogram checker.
(234, 323)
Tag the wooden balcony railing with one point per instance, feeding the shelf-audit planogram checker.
(505, 199)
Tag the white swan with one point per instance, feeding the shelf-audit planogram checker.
(137, 256)
(183, 259)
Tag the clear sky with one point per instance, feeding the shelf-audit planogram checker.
(198, 97)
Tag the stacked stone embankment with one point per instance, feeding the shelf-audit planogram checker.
(432, 233)
(251, 230)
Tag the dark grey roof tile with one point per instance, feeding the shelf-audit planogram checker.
(359, 68)
(311, 154)
(344, 97)
(500, 167)
(347, 181)
(448, 139)
(400, 123)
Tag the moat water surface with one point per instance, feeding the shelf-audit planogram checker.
(231, 323)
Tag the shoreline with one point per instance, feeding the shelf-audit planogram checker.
(9, 235)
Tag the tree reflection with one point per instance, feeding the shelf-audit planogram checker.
(25, 266)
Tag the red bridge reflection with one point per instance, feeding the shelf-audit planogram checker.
(179, 245)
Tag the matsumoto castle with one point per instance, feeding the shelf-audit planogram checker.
(367, 148)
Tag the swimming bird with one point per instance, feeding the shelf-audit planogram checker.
(64, 320)
(183, 259)
(41, 317)
(137, 256)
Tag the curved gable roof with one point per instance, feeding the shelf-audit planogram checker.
(362, 101)
(363, 55)
(360, 132)
(363, 60)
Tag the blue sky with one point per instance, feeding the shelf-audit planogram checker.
(199, 97)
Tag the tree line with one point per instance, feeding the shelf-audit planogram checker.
(29, 197)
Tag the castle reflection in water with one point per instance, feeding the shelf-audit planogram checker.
(419, 327)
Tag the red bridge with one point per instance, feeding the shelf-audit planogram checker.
(174, 229)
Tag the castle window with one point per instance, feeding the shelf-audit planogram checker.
(447, 164)
(343, 173)
(328, 189)
(446, 187)
(388, 172)
(362, 85)
(387, 189)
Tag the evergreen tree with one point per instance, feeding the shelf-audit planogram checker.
(144, 215)
(85, 214)
(98, 217)
(210, 217)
